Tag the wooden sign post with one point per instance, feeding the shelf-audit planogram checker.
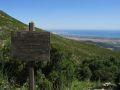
(31, 76)
(31, 46)
(31, 65)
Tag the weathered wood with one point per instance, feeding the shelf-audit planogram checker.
(31, 46)
(31, 76)
(31, 65)
(31, 26)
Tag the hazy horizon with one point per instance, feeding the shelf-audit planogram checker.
(88, 33)
(83, 29)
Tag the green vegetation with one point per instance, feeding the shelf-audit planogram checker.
(106, 69)
(73, 66)
(111, 45)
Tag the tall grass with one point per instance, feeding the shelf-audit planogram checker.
(83, 85)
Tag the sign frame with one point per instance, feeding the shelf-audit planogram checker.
(30, 45)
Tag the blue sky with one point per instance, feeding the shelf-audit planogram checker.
(66, 14)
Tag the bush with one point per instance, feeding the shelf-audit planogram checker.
(105, 69)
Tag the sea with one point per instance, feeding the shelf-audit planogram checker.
(89, 33)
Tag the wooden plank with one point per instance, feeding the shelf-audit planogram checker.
(31, 76)
(30, 46)
(31, 26)
(31, 65)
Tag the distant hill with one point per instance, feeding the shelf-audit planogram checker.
(111, 46)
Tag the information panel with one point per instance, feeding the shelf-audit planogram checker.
(30, 45)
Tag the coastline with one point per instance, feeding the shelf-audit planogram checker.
(94, 39)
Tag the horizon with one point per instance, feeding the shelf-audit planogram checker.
(83, 29)
(66, 14)
(111, 34)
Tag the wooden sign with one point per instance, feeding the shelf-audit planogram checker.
(30, 46)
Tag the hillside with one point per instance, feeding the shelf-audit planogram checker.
(8, 24)
(66, 54)
(80, 49)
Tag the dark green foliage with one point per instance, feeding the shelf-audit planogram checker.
(41, 81)
(60, 70)
(84, 73)
(103, 69)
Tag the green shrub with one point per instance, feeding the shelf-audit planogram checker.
(103, 69)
